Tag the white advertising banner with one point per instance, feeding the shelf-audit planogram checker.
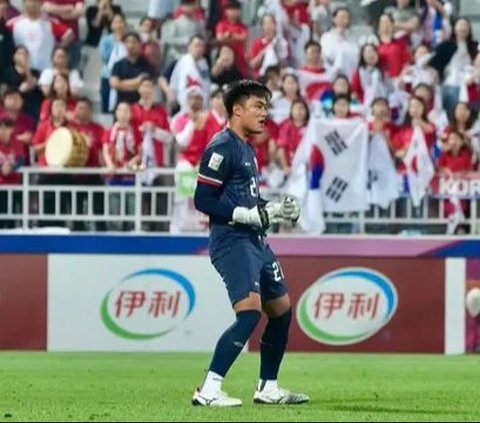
(135, 303)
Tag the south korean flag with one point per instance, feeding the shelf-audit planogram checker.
(344, 144)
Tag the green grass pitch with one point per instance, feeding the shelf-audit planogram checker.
(158, 387)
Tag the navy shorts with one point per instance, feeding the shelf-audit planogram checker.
(247, 266)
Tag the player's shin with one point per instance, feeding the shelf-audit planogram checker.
(273, 345)
(228, 348)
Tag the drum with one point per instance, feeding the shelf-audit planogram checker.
(66, 148)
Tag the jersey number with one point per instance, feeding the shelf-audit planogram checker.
(278, 274)
(254, 188)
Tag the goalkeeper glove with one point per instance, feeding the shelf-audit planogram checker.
(258, 216)
(286, 210)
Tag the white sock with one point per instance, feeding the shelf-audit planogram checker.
(267, 385)
(212, 385)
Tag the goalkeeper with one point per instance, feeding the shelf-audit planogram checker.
(228, 193)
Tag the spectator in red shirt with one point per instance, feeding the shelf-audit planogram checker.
(394, 53)
(151, 45)
(92, 131)
(24, 125)
(11, 158)
(69, 12)
(457, 156)
(266, 148)
(233, 32)
(313, 78)
(122, 143)
(341, 107)
(225, 71)
(369, 81)
(416, 117)
(190, 8)
(217, 116)
(11, 154)
(189, 128)
(57, 119)
(291, 134)
(60, 89)
(260, 45)
(456, 160)
(462, 122)
(152, 121)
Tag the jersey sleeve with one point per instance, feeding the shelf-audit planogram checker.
(215, 169)
(215, 166)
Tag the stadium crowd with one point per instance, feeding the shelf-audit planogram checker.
(418, 66)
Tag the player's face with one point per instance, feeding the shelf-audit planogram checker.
(253, 115)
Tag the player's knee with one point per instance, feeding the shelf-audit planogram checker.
(249, 320)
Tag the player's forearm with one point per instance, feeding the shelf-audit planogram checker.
(207, 201)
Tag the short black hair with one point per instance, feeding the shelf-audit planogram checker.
(132, 34)
(240, 91)
(339, 9)
(312, 43)
(11, 91)
(85, 100)
(196, 37)
(377, 100)
(341, 97)
(233, 4)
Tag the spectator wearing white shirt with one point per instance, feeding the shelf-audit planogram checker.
(39, 34)
(60, 65)
(68, 12)
(340, 51)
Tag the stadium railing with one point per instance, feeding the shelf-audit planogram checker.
(53, 197)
